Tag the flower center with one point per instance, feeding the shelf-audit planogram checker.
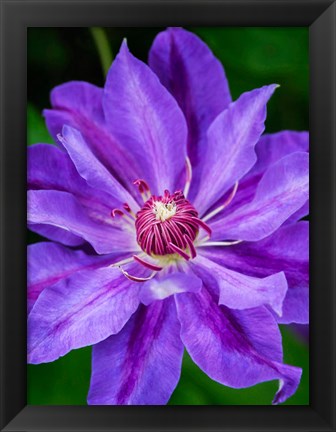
(166, 227)
(166, 224)
(164, 211)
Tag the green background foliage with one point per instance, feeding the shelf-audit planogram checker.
(252, 57)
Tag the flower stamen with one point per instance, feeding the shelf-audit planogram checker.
(127, 217)
(188, 177)
(166, 220)
(223, 206)
(143, 189)
(219, 243)
(122, 262)
(203, 225)
(146, 263)
(117, 212)
(136, 278)
(166, 226)
(179, 251)
(129, 210)
(191, 246)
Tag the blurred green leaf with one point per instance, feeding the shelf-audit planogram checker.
(103, 47)
(62, 382)
(36, 129)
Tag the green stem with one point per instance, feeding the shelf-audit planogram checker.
(103, 47)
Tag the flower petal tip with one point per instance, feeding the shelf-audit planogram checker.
(288, 387)
(124, 48)
(277, 304)
(270, 89)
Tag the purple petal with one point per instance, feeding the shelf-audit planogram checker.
(281, 192)
(91, 169)
(81, 310)
(289, 248)
(146, 119)
(79, 105)
(74, 103)
(63, 210)
(175, 283)
(57, 234)
(286, 250)
(298, 215)
(230, 153)
(270, 149)
(45, 163)
(196, 79)
(141, 365)
(273, 147)
(49, 262)
(239, 291)
(236, 348)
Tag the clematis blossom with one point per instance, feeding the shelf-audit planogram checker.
(174, 224)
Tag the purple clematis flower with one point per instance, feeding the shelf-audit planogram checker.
(175, 223)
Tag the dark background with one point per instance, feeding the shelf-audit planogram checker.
(252, 57)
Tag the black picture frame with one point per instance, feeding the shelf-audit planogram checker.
(16, 16)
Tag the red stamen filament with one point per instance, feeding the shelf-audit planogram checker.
(179, 251)
(129, 210)
(147, 264)
(143, 189)
(117, 212)
(127, 217)
(191, 247)
(203, 225)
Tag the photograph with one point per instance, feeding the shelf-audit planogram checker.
(168, 216)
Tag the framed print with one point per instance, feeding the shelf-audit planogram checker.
(169, 187)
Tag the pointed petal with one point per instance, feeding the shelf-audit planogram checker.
(79, 105)
(281, 192)
(270, 149)
(287, 250)
(175, 283)
(81, 310)
(49, 262)
(89, 167)
(230, 152)
(236, 348)
(196, 79)
(239, 291)
(146, 119)
(141, 365)
(63, 210)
